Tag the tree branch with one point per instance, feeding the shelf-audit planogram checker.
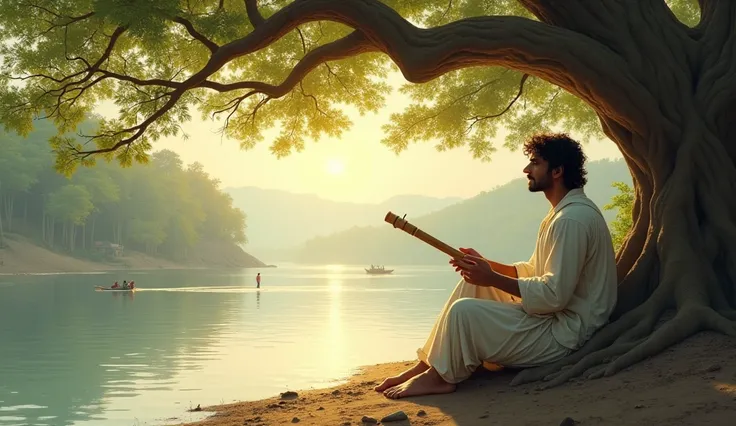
(565, 58)
(479, 118)
(211, 45)
(562, 57)
(353, 44)
(251, 7)
(716, 88)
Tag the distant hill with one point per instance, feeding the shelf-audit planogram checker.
(502, 224)
(280, 219)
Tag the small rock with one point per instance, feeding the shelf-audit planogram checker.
(282, 402)
(346, 424)
(198, 408)
(295, 420)
(367, 419)
(336, 392)
(289, 395)
(484, 416)
(421, 413)
(274, 406)
(395, 417)
(320, 408)
(568, 421)
(712, 368)
(638, 406)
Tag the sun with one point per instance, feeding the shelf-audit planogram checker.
(335, 167)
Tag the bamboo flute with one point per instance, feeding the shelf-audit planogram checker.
(401, 223)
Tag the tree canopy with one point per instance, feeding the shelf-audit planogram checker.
(295, 66)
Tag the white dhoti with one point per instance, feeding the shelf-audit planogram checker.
(486, 324)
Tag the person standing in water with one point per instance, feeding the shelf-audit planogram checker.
(258, 280)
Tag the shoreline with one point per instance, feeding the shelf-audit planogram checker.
(693, 382)
(23, 257)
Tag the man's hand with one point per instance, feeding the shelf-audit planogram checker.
(470, 251)
(474, 269)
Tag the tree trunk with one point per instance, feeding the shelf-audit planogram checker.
(72, 236)
(52, 231)
(92, 233)
(8, 202)
(2, 235)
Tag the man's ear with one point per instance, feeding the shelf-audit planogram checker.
(558, 171)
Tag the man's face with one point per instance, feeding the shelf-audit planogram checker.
(538, 173)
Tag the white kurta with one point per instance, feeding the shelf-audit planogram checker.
(568, 290)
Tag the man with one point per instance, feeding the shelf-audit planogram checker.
(258, 280)
(529, 313)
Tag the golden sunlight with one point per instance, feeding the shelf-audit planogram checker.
(335, 166)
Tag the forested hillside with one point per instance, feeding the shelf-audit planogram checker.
(161, 208)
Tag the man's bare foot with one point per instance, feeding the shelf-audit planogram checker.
(427, 383)
(390, 382)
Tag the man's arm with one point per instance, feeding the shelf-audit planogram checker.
(552, 291)
(503, 269)
(505, 283)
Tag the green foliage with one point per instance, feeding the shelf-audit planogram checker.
(163, 207)
(47, 46)
(70, 203)
(624, 203)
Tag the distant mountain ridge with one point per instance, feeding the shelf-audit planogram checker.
(279, 219)
(501, 224)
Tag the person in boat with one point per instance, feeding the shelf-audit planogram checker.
(116, 285)
(528, 313)
(125, 284)
(131, 285)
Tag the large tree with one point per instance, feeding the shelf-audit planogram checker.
(655, 76)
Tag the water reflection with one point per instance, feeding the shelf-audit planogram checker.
(73, 356)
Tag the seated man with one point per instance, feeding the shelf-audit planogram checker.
(529, 313)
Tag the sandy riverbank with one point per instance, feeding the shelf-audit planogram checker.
(693, 383)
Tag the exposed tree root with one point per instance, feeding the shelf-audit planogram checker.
(618, 347)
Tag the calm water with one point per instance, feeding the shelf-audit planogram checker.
(70, 355)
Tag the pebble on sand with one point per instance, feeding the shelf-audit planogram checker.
(568, 421)
(421, 413)
(395, 417)
(289, 395)
(367, 419)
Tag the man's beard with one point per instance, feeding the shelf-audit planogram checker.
(537, 186)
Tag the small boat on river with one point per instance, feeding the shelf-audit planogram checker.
(378, 270)
(120, 289)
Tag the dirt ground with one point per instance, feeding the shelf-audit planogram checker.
(693, 383)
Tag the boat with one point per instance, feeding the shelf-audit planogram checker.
(123, 290)
(378, 270)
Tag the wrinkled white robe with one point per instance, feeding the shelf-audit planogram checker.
(568, 290)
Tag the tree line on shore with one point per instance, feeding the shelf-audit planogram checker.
(161, 208)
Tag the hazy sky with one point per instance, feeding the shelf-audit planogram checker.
(357, 167)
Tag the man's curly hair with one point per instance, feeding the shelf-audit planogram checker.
(559, 149)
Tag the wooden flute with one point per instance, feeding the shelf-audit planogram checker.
(401, 223)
